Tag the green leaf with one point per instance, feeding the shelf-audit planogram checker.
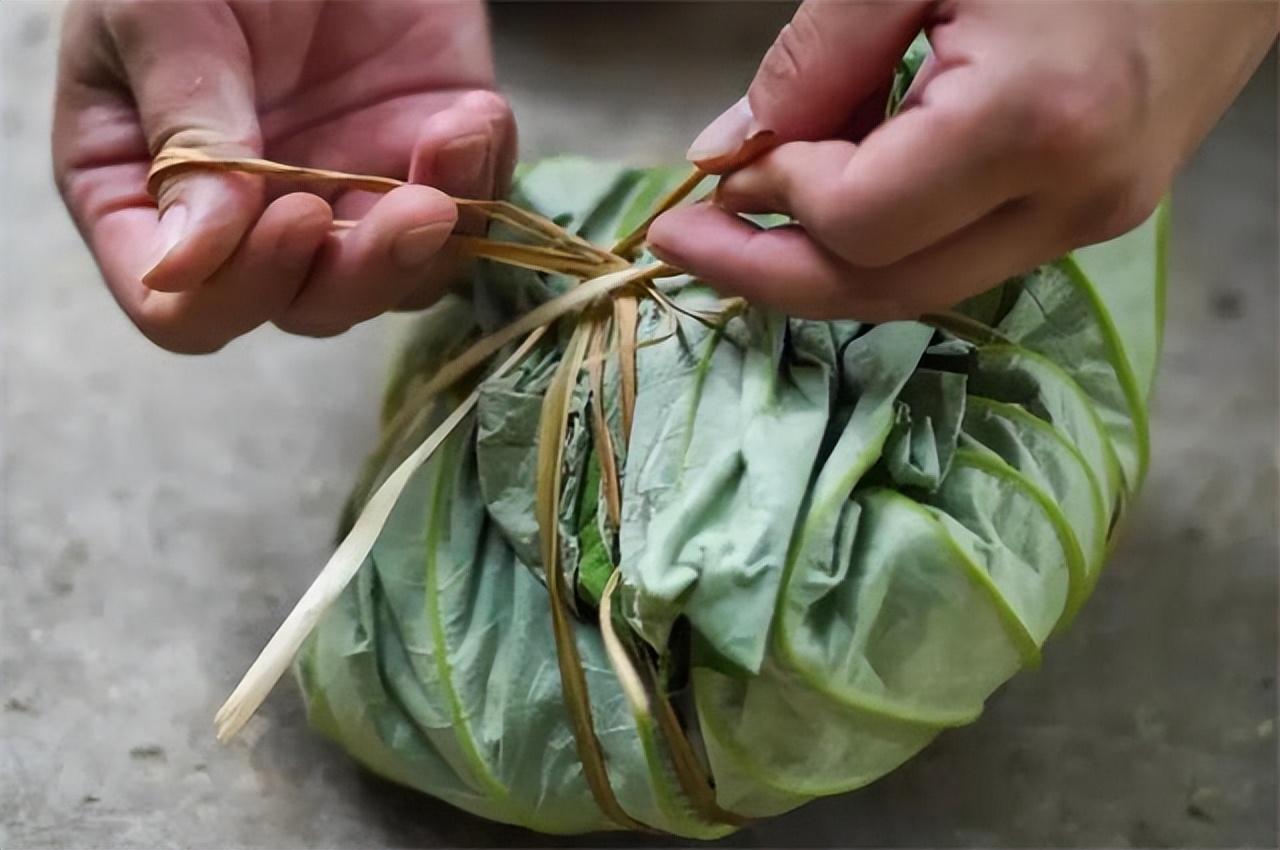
(848, 536)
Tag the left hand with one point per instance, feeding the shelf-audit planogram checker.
(1033, 129)
(402, 89)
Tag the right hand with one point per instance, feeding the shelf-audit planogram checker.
(1032, 129)
(398, 89)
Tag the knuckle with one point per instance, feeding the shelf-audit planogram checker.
(819, 212)
(488, 102)
(1072, 118)
(783, 63)
(76, 192)
(231, 137)
(831, 217)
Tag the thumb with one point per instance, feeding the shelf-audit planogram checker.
(189, 70)
(831, 57)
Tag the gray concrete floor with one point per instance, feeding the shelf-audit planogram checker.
(160, 515)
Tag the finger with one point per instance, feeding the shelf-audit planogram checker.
(344, 142)
(371, 268)
(780, 268)
(921, 176)
(785, 270)
(467, 149)
(825, 63)
(101, 157)
(201, 221)
(189, 74)
(257, 283)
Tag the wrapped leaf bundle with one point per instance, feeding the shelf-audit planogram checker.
(688, 563)
(631, 556)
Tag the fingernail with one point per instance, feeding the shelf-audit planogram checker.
(173, 227)
(725, 135)
(414, 247)
(659, 249)
(669, 257)
(464, 163)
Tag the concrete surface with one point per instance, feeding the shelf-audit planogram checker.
(161, 514)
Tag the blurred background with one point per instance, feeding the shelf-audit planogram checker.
(159, 516)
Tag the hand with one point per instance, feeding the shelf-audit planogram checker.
(1034, 128)
(399, 89)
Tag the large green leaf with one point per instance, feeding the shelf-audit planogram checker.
(836, 540)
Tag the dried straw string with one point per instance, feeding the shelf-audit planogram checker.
(608, 273)
(636, 688)
(586, 341)
(602, 437)
(556, 241)
(556, 407)
(582, 352)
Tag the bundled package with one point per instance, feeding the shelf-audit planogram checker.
(631, 555)
(785, 554)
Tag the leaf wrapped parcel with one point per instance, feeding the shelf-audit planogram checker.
(810, 548)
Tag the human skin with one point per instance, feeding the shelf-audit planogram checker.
(1034, 128)
(399, 89)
